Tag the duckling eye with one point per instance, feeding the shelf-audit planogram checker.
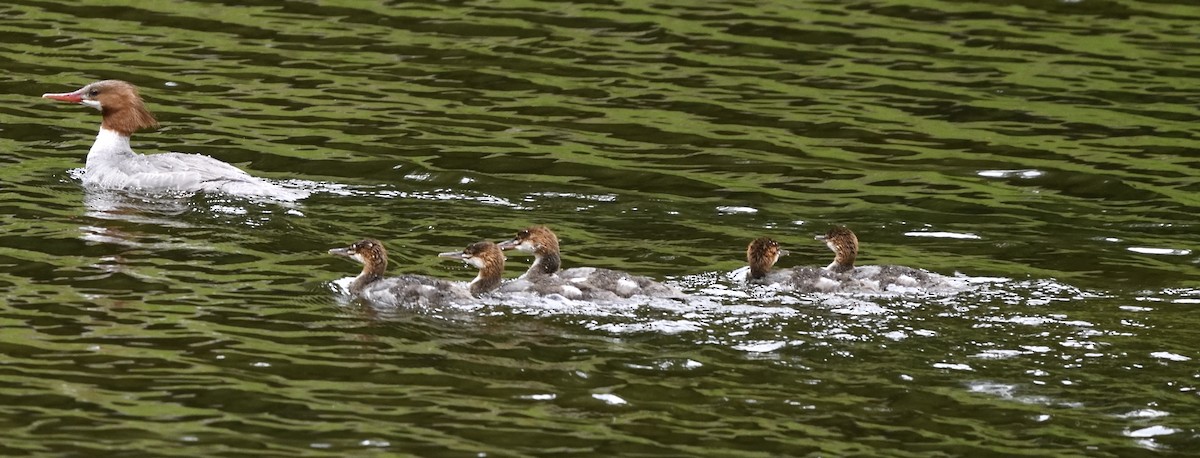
(523, 234)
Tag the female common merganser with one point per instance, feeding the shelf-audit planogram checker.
(112, 164)
(420, 290)
(839, 275)
(587, 283)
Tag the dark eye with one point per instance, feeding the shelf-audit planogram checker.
(523, 234)
(93, 92)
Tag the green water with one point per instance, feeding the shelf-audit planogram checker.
(1050, 146)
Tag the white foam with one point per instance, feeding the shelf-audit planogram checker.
(943, 235)
(731, 209)
(1151, 431)
(951, 366)
(610, 399)
(760, 347)
(1162, 251)
(1170, 356)
(1026, 174)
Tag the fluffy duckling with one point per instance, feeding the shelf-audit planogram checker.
(763, 253)
(841, 274)
(421, 290)
(544, 276)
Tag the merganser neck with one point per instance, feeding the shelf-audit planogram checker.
(109, 145)
(363, 280)
(374, 259)
(488, 279)
(840, 267)
(545, 262)
(757, 272)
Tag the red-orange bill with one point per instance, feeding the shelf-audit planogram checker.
(72, 97)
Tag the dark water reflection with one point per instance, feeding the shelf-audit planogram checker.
(1044, 150)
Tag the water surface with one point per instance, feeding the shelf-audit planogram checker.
(1046, 150)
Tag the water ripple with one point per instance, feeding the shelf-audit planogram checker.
(1042, 153)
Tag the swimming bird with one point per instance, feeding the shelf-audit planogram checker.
(764, 252)
(112, 164)
(421, 290)
(545, 276)
(841, 275)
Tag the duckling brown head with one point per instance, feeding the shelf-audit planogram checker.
(844, 244)
(540, 241)
(761, 255)
(371, 254)
(485, 256)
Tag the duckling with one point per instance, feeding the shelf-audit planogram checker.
(842, 241)
(420, 290)
(841, 275)
(763, 253)
(544, 276)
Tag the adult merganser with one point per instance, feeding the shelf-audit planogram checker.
(112, 164)
(839, 275)
(421, 290)
(544, 277)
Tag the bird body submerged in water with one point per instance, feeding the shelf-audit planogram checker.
(111, 164)
(421, 290)
(545, 276)
(841, 275)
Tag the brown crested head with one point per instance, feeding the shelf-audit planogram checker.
(119, 103)
(540, 241)
(368, 252)
(485, 256)
(533, 239)
(844, 244)
(761, 255)
(488, 254)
